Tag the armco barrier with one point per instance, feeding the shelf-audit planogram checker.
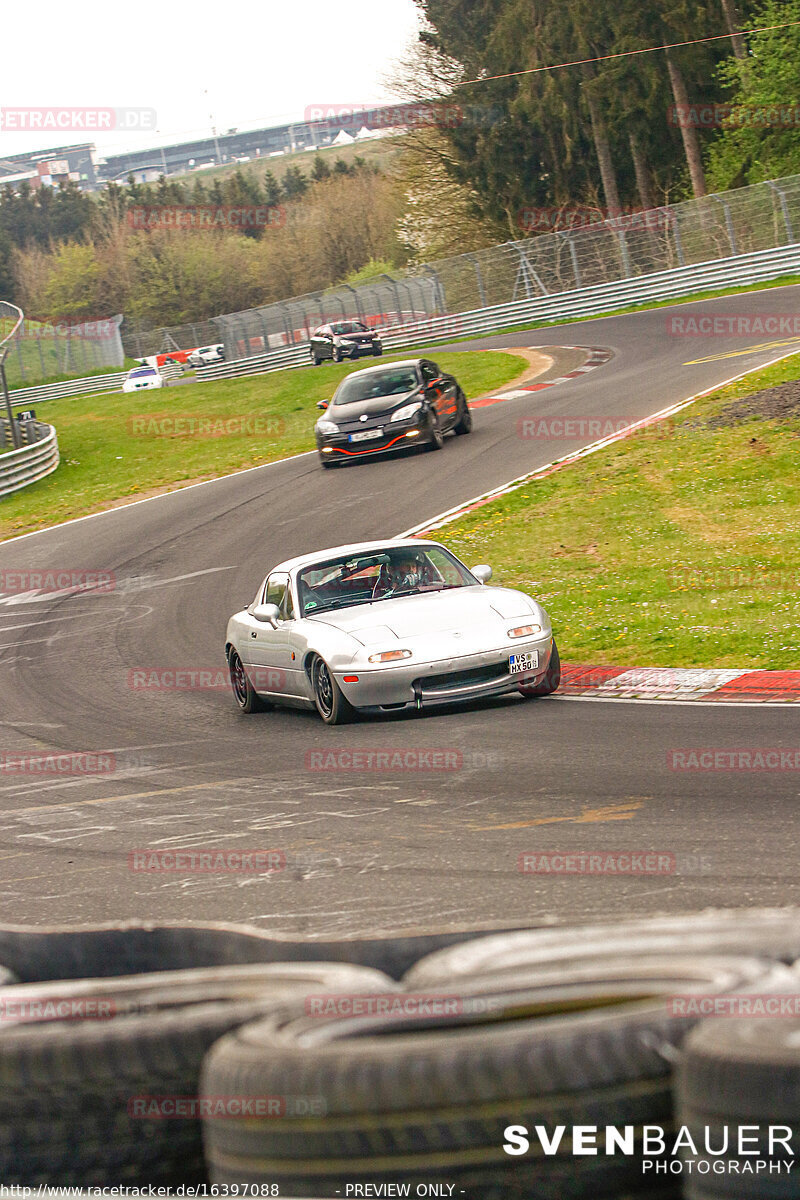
(582, 302)
(20, 467)
(80, 387)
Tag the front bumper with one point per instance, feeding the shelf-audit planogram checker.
(397, 435)
(360, 349)
(444, 681)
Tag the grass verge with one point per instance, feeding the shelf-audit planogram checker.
(676, 547)
(118, 447)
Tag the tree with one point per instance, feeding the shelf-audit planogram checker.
(272, 189)
(295, 183)
(761, 137)
(320, 169)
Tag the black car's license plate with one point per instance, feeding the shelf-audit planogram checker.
(366, 435)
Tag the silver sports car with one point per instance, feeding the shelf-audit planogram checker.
(386, 625)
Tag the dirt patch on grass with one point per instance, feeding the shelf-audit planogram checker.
(772, 404)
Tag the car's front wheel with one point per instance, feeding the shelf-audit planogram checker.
(337, 354)
(315, 358)
(244, 693)
(550, 680)
(436, 437)
(328, 697)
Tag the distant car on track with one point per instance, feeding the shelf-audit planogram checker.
(142, 378)
(391, 407)
(344, 339)
(204, 356)
(383, 626)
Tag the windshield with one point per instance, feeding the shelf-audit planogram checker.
(140, 372)
(349, 327)
(370, 385)
(368, 578)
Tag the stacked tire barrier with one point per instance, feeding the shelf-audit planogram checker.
(313, 1067)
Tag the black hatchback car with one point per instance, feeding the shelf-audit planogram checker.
(344, 339)
(391, 407)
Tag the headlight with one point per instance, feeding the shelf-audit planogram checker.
(407, 411)
(524, 631)
(327, 427)
(390, 655)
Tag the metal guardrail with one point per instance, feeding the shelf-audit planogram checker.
(20, 467)
(581, 302)
(571, 256)
(81, 387)
(69, 387)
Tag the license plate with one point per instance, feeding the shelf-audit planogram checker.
(366, 435)
(518, 664)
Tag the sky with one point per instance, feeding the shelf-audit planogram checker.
(195, 63)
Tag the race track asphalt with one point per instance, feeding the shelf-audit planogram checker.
(366, 852)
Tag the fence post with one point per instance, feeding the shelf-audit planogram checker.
(473, 258)
(439, 292)
(728, 222)
(787, 220)
(573, 253)
(527, 273)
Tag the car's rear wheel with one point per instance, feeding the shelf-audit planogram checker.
(552, 677)
(328, 697)
(464, 422)
(244, 693)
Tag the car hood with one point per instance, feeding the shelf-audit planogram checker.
(429, 614)
(372, 407)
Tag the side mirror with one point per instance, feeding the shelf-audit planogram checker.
(323, 404)
(267, 614)
(483, 573)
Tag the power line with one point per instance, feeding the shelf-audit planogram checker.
(579, 62)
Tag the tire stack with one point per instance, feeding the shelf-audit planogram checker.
(412, 1081)
(742, 1075)
(550, 1027)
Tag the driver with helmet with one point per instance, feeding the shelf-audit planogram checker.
(405, 571)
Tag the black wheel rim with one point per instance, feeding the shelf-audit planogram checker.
(238, 680)
(323, 689)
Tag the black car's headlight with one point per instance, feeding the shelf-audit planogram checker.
(407, 411)
(326, 426)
